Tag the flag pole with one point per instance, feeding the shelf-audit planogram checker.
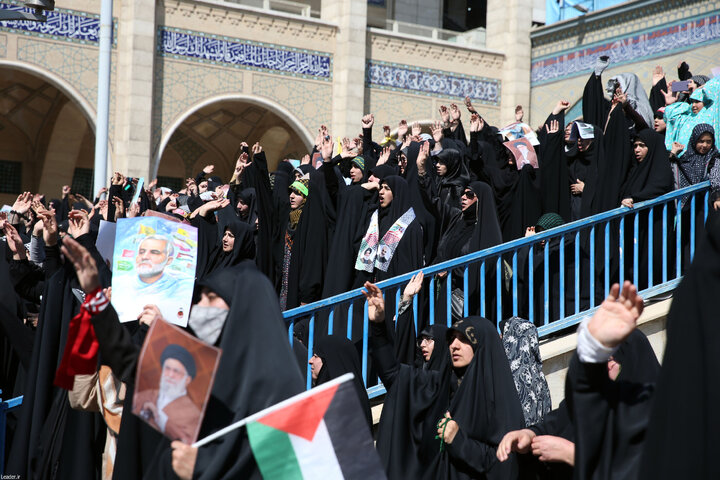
(277, 406)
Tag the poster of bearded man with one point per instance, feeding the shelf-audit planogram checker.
(154, 264)
(175, 374)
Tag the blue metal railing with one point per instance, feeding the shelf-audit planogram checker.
(519, 271)
(6, 406)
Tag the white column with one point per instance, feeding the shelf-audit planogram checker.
(134, 87)
(348, 63)
(508, 31)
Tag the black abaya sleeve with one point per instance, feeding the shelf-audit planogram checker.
(595, 106)
(383, 355)
(117, 349)
(657, 99)
(471, 456)
(554, 172)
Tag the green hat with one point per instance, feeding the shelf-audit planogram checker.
(300, 186)
(548, 221)
(359, 162)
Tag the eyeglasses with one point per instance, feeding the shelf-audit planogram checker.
(469, 194)
(424, 340)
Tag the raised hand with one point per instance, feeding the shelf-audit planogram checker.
(617, 316)
(414, 286)
(553, 127)
(50, 228)
(658, 74)
(475, 122)
(368, 120)
(416, 129)
(78, 223)
(65, 191)
(376, 303)
(561, 106)
(444, 114)
(677, 148)
(117, 179)
(402, 129)
(241, 163)
(327, 148)
(384, 156)
(423, 154)
(14, 242)
(256, 148)
(119, 207)
(84, 263)
(670, 97)
(454, 113)
(469, 105)
(305, 160)
(133, 210)
(23, 203)
(437, 131)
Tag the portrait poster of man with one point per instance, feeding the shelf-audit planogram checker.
(523, 152)
(175, 374)
(518, 130)
(154, 263)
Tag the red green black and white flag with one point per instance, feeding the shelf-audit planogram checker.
(318, 434)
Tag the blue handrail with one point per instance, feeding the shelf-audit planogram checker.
(608, 228)
(6, 406)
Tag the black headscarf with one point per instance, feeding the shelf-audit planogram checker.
(440, 356)
(684, 414)
(243, 247)
(611, 417)
(450, 186)
(339, 357)
(249, 198)
(652, 177)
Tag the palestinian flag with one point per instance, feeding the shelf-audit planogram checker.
(319, 434)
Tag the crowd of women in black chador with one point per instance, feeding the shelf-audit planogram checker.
(461, 403)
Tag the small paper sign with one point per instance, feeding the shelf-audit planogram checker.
(582, 130)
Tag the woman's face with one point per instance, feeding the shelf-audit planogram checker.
(356, 174)
(242, 208)
(295, 200)
(228, 241)
(697, 106)
(386, 195)
(427, 345)
(584, 144)
(704, 143)
(660, 125)
(468, 198)
(460, 350)
(441, 169)
(640, 150)
(568, 131)
(316, 365)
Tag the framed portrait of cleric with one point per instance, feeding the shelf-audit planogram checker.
(174, 378)
(153, 264)
(523, 152)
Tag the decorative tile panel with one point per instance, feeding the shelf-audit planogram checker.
(405, 78)
(181, 85)
(215, 49)
(62, 24)
(310, 102)
(389, 108)
(662, 41)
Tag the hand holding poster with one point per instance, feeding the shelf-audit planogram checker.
(175, 374)
(523, 152)
(153, 264)
(518, 130)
